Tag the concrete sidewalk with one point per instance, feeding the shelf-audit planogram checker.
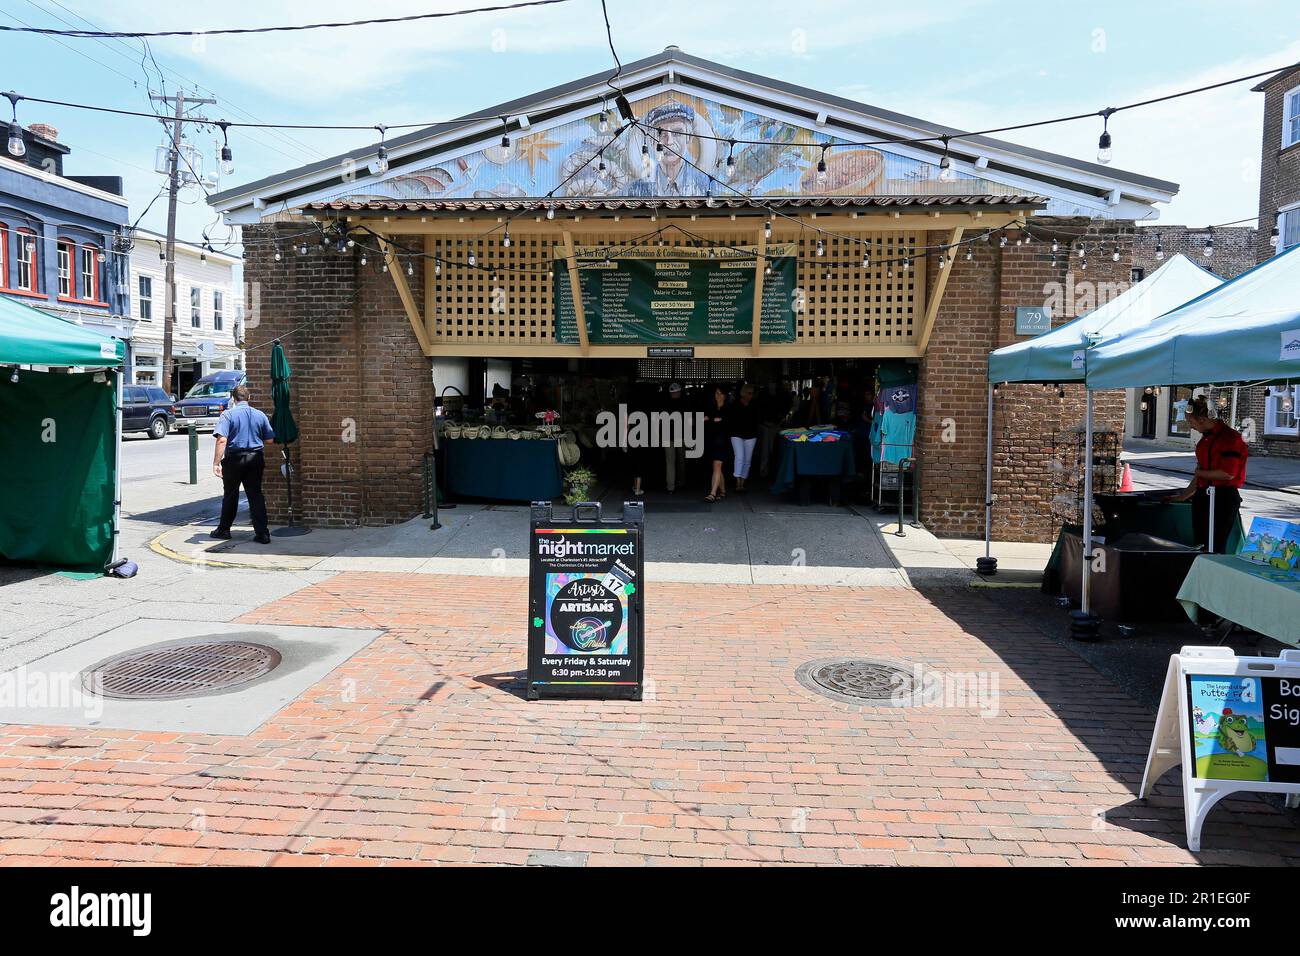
(730, 544)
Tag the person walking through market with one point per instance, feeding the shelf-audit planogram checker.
(716, 444)
(241, 434)
(1221, 456)
(675, 453)
(742, 429)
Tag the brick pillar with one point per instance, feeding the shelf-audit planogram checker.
(978, 315)
(361, 388)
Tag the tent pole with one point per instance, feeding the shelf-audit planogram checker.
(117, 474)
(1209, 546)
(1084, 625)
(988, 564)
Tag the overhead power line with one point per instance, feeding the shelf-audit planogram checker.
(288, 28)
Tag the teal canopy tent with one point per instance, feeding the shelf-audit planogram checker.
(60, 441)
(1054, 356)
(1065, 355)
(1246, 330)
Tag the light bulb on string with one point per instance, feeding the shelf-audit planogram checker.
(1103, 142)
(227, 157)
(946, 173)
(1002, 239)
(767, 229)
(303, 250)
(381, 154)
(505, 240)
(1081, 251)
(821, 169)
(866, 260)
(821, 248)
(1287, 402)
(1160, 249)
(1055, 246)
(603, 124)
(17, 146)
(970, 253)
(1114, 256)
(364, 260)
(100, 257)
(472, 260)
(767, 270)
(13, 376)
(731, 160)
(1209, 244)
(506, 150)
(1083, 265)
(550, 212)
(647, 167)
(1273, 237)
(437, 267)
(410, 268)
(278, 255)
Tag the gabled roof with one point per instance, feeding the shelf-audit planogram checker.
(1092, 188)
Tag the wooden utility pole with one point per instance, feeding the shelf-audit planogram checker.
(180, 100)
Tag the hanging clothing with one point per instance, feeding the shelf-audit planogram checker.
(897, 435)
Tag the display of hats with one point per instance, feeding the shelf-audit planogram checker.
(499, 432)
(469, 431)
(485, 431)
(451, 430)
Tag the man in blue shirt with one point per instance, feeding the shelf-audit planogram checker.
(241, 433)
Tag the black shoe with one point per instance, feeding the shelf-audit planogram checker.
(262, 538)
(219, 533)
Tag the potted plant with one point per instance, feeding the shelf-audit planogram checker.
(577, 482)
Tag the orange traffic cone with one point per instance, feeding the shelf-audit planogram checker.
(1126, 479)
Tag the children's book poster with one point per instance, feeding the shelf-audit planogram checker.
(1227, 728)
(1274, 544)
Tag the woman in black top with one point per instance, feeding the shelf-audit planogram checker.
(742, 429)
(716, 444)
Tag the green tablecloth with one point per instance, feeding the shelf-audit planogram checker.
(1260, 598)
(819, 458)
(503, 470)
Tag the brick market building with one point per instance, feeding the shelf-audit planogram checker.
(447, 259)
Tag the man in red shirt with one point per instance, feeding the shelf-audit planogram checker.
(1220, 462)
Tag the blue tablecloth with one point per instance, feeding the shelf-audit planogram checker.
(503, 470)
(817, 458)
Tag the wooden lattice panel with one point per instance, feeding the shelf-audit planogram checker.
(842, 302)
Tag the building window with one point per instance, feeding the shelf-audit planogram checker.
(26, 262)
(218, 301)
(1291, 118)
(146, 298)
(90, 273)
(1178, 399)
(1288, 228)
(1137, 275)
(196, 307)
(65, 269)
(1280, 413)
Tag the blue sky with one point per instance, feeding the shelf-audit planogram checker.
(968, 63)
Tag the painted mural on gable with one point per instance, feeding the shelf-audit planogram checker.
(564, 161)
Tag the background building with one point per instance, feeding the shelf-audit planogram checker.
(1279, 229)
(61, 236)
(209, 312)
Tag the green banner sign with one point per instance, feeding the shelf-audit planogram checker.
(658, 294)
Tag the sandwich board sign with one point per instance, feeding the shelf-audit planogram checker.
(1232, 724)
(586, 589)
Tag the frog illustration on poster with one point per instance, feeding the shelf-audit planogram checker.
(1229, 736)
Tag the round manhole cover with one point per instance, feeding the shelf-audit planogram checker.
(858, 680)
(185, 669)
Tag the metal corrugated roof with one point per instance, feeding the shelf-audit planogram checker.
(630, 204)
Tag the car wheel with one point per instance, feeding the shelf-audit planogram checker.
(158, 427)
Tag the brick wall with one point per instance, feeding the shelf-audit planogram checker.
(978, 315)
(1279, 169)
(1234, 248)
(362, 392)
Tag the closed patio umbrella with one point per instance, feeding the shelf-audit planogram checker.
(285, 428)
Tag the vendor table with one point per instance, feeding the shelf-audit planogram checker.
(502, 469)
(803, 459)
(1263, 599)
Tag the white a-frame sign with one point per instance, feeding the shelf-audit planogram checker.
(1232, 723)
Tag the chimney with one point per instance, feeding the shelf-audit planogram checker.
(44, 131)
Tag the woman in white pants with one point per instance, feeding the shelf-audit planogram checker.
(743, 426)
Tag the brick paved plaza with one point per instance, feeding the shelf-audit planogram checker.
(420, 749)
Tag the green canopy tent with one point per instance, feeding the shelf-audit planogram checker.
(60, 441)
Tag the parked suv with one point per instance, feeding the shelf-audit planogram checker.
(209, 397)
(146, 408)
